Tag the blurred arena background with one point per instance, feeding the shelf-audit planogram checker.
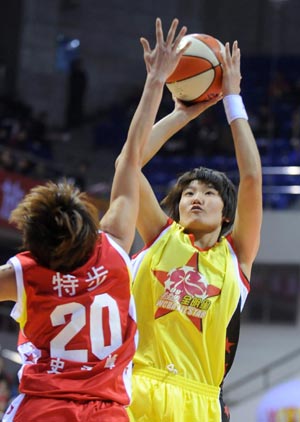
(71, 72)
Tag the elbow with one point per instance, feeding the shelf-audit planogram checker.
(252, 181)
(252, 175)
(128, 158)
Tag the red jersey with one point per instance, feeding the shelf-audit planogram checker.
(80, 326)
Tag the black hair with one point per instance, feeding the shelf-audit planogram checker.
(218, 180)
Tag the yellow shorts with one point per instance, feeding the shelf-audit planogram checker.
(161, 396)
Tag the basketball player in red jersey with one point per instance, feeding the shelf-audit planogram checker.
(72, 284)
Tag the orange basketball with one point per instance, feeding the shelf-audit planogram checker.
(198, 75)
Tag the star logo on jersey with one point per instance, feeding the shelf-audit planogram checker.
(186, 291)
(229, 345)
(230, 348)
(29, 357)
(28, 353)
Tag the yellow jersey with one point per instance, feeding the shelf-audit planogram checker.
(188, 304)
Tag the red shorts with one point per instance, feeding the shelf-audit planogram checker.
(39, 409)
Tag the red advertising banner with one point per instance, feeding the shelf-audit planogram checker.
(13, 187)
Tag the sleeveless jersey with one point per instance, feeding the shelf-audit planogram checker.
(78, 330)
(188, 306)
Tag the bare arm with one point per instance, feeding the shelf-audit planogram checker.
(8, 289)
(165, 128)
(151, 218)
(247, 225)
(120, 219)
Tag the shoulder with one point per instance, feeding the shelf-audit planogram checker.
(23, 260)
(225, 242)
(167, 231)
(108, 245)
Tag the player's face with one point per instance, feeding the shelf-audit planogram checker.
(200, 208)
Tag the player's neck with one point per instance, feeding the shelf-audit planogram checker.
(204, 240)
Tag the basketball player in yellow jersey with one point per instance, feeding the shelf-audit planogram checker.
(192, 277)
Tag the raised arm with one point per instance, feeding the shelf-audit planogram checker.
(120, 219)
(151, 218)
(247, 225)
(165, 128)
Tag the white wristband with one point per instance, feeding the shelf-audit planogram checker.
(234, 108)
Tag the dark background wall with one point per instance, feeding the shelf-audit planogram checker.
(109, 31)
(109, 34)
(10, 33)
